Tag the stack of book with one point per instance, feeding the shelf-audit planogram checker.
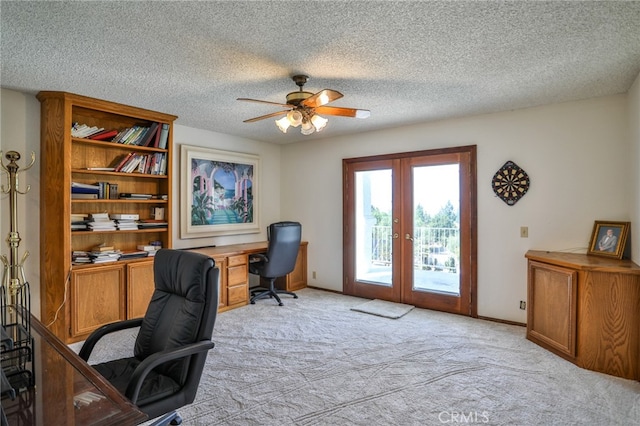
(79, 257)
(150, 249)
(79, 221)
(101, 222)
(152, 223)
(126, 222)
(84, 191)
(126, 255)
(104, 254)
(131, 196)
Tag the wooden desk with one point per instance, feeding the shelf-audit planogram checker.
(233, 262)
(62, 381)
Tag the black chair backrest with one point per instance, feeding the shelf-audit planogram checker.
(182, 309)
(282, 252)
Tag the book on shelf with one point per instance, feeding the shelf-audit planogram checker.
(113, 191)
(152, 223)
(102, 247)
(150, 135)
(79, 217)
(104, 135)
(164, 136)
(103, 190)
(133, 254)
(129, 195)
(78, 196)
(84, 188)
(101, 169)
(84, 131)
(125, 216)
(121, 161)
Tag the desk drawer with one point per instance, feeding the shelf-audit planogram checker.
(237, 260)
(237, 275)
(238, 294)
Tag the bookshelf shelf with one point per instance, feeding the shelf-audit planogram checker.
(135, 231)
(70, 290)
(112, 145)
(120, 174)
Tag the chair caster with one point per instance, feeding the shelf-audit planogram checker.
(295, 296)
(280, 304)
(177, 420)
(253, 302)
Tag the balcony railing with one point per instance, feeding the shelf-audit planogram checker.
(433, 248)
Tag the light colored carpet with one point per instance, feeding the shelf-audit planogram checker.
(382, 308)
(314, 361)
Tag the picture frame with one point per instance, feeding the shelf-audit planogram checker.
(219, 192)
(608, 238)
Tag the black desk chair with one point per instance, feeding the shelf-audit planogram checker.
(174, 338)
(280, 259)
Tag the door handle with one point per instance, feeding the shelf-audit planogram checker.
(408, 237)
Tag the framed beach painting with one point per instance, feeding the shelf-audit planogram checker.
(219, 192)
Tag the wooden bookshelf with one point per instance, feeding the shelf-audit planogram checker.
(77, 299)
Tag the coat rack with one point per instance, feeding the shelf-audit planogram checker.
(16, 329)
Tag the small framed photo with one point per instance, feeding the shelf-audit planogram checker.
(608, 238)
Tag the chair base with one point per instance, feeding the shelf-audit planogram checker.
(271, 292)
(172, 418)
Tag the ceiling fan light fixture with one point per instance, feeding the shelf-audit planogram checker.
(294, 117)
(307, 128)
(283, 124)
(319, 122)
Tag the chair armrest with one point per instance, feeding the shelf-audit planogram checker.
(154, 360)
(90, 343)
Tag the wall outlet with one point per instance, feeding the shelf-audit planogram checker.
(313, 275)
(523, 305)
(524, 232)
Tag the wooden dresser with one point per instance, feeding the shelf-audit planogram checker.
(586, 309)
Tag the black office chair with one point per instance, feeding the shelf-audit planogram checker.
(173, 340)
(280, 259)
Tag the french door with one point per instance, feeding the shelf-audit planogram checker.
(410, 228)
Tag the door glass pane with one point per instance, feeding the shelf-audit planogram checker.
(373, 226)
(436, 229)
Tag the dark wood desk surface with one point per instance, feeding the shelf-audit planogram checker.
(67, 390)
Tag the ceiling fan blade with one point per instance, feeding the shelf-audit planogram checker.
(262, 117)
(266, 102)
(323, 97)
(343, 112)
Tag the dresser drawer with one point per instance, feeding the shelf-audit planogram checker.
(237, 260)
(238, 294)
(237, 275)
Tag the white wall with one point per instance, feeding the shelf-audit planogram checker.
(20, 131)
(575, 153)
(576, 157)
(634, 159)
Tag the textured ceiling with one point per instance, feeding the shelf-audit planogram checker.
(407, 62)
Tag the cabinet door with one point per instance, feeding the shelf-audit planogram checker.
(140, 286)
(551, 319)
(297, 278)
(97, 298)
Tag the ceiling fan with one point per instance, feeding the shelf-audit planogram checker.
(302, 109)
